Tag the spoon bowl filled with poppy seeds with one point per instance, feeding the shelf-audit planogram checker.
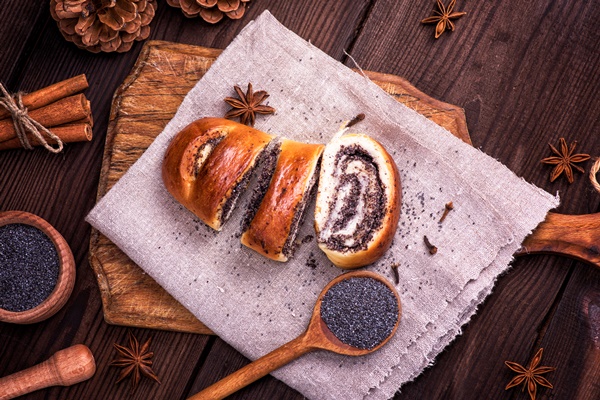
(37, 270)
(361, 310)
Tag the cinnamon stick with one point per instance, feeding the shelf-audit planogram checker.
(64, 111)
(50, 94)
(88, 119)
(66, 133)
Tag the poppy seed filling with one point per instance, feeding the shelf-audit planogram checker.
(241, 186)
(299, 213)
(268, 162)
(357, 212)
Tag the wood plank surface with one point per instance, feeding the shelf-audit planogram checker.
(142, 106)
(526, 73)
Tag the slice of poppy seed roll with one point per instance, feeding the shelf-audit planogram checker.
(358, 201)
(208, 165)
(272, 226)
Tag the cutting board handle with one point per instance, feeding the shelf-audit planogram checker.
(576, 236)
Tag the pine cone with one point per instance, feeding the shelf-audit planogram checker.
(103, 25)
(211, 11)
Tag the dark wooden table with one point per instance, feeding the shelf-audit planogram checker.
(526, 72)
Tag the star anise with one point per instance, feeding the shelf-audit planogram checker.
(530, 377)
(443, 17)
(565, 160)
(135, 361)
(248, 105)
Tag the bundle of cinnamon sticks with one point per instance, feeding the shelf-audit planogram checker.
(59, 107)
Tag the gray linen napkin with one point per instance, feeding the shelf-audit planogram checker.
(256, 304)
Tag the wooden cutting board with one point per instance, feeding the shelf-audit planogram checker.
(141, 107)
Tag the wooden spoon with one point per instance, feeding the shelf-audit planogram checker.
(65, 368)
(316, 336)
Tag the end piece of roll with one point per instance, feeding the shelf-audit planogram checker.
(358, 201)
(208, 165)
(271, 227)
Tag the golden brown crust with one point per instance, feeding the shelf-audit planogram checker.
(178, 169)
(382, 239)
(204, 189)
(273, 222)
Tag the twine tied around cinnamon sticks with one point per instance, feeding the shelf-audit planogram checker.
(24, 124)
(593, 171)
(48, 117)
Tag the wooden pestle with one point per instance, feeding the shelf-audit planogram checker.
(65, 368)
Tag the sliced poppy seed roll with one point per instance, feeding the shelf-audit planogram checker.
(208, 165)
(273, 228)
(358, 201)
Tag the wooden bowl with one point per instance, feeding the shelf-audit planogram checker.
(66, 272)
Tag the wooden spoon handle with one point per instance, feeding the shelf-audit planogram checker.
(66, 367)
(576, 236)
(255, 370)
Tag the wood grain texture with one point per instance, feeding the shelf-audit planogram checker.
(578, 312)
(142, 106)
(526, 73)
